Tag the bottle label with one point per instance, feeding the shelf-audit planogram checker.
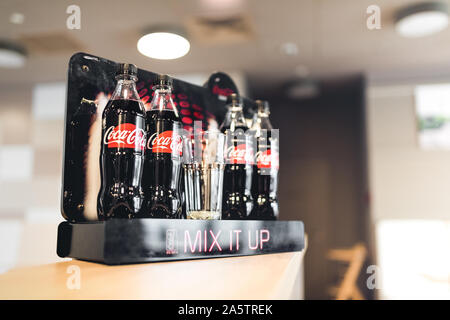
(267, 159)
(125, 135)
(237, 154)
(165, 142)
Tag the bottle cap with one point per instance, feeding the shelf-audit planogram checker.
(126, 69)
(234, 100)
(262, 106)
(163, 80)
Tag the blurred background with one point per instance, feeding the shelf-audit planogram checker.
(360, 91)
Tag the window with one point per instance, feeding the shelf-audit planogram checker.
(414, 259)
(433, 116)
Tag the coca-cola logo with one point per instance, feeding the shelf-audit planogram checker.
(125, 135)
(165, 142)
(237, 154)
(266, 159)
(222, 91)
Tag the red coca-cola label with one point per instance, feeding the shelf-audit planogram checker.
(165, 142)
(237, 154)
(267, 159)
(125, 135)
(221, 91)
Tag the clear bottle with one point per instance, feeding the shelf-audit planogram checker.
(122, 149)
(236, 200)
(234, 119)
(163, 154)
(265, 166)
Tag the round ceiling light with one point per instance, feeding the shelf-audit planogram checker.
(164, 45)
(16, 18)
(289, 49)
(422, 19)
(11, 55)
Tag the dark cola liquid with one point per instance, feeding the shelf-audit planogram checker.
(237, 177)
(162, 166)
(264, 180)
(122, 160)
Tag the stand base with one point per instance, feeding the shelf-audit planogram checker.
(121, 241)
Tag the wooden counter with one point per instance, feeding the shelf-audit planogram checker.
(272, 276)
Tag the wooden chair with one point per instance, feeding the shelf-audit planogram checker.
(355, 257)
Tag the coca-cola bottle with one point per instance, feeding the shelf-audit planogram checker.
(163, 154)
(265, 166)
(122, 149)
(236, 200)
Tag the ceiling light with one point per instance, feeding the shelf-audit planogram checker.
(289, 49)
(163, 44)
(11, 55)
(220, 9)
(17, 18)
(422, 19)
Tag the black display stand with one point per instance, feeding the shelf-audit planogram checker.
(121, 241)
(90, 81)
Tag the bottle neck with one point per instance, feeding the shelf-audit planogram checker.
(234, 118)
(261, 122)
(125, 89)
(162, 100)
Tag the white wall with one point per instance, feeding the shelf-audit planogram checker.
(410, 199)
(405, 181)
(31, 137)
